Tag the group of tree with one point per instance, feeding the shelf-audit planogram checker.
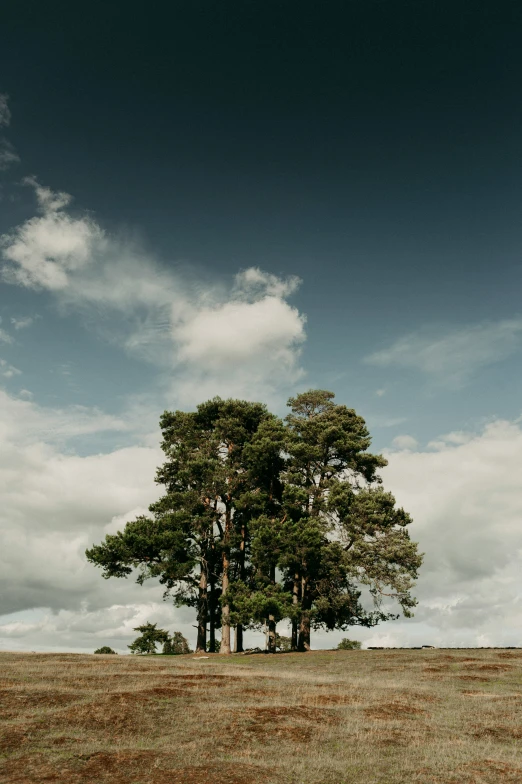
(150, 636)
(266, 520)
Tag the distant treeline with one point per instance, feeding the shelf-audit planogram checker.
(265, 520)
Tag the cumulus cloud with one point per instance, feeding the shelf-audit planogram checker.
(405, 442)
(243, 345)
(464, 497)
(466, 503)
(55, 504)
(43, 251)
(245, 339)
(454, 356)
(254, 281)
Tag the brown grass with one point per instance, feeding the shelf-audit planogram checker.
(377, 717)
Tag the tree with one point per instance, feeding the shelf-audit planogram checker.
(177, 645)
(104, 649)
(339, 530)
(149, 638)
(264, 520)
(197, 538)
(349, 645)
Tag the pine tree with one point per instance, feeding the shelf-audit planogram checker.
(340, 529)
(264, 520)
(149, 638)
(197, 538)
(177, 645)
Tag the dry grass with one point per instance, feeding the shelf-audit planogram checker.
(374, 717)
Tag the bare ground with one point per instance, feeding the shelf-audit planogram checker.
(372, 717)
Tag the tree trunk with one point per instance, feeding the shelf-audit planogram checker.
(295, 602)
(303, 643)
(304, 633)
(212, 616)
(201, 644)
(271, 634)
(225, 617)
(238, 640)
(225, 613)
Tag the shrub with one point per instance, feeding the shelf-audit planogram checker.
(283, 643)
(217, 646)
(349, 645)
(177, 645)
(105, 649)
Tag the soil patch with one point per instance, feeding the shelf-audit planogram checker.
(13, 737)
(490, 667)
(393, 710)
(124, 767)
(16, 702)
(266, 724)
(333, 699)
(480, 678)
(499, 733)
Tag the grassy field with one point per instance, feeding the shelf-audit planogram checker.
(326, 717)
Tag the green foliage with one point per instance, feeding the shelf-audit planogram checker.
(104, 649)
(150, 637)
(217, 646)
(349, 645)
(264, 520)
(177, 645)
(283, 643)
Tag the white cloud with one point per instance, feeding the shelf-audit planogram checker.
(405, 442)
(55, 504)
(466, 502)
(8, 154)
(43, 251)
(22, 323)
(47, 199)
(380, 392)
(7, 370)
(245, 340)
(23, 421)
(465, 499)
(254, 281)
(455, 355)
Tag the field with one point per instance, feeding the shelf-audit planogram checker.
(326, 717)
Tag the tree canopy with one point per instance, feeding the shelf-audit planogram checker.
(265, 520)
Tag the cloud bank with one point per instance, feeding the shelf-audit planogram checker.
(464, 497)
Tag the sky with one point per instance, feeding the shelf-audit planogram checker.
(252, 200)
